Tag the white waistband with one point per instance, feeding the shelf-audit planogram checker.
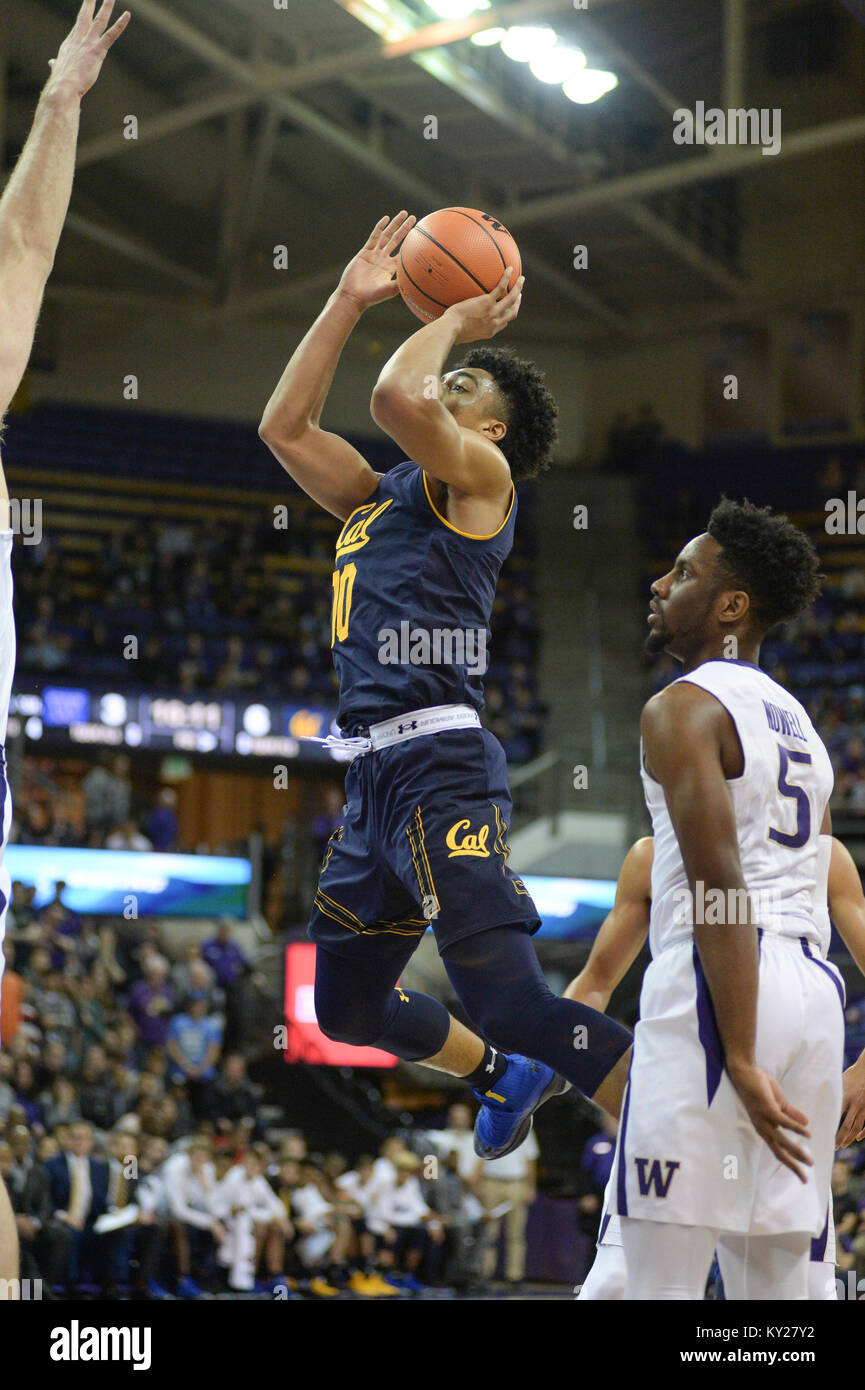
(422, 721)
(414, 724)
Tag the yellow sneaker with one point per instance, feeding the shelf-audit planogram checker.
(321, 1288)
(371, 1286)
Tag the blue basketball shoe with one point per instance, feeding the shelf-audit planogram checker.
(505, 1116)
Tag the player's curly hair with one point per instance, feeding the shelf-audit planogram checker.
(773, 561)
(530, 409)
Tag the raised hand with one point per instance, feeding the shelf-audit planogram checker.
(487, 314)
(82, 52)
(369, 277)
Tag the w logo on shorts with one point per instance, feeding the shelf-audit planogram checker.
(653, 1181)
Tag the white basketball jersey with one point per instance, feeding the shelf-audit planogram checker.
(779, 803)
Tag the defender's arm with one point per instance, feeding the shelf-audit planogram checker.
(34, 204)
(622, 934)
(847, 910)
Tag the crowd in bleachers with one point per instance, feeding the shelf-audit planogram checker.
(135, 1147)
(220, 597)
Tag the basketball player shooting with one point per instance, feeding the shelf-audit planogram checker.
(423, 839)
(740, 1041)
(32, 212)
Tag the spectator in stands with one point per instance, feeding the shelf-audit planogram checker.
(225, 957)
(26, 1092)
(256, 1222)
(458, 1137)
(151, 1232)
(233, 1097)
(463, 1220)
(162, 825)
(182, 973)
(151, 1001)
(90, 1013)
(324, 1234)
(108, 793)
(78, 1187)
(510, 1184)
(20, 912)
(30, 1200)
(410, 1225)
(190, 1181)
(232, 969)
(96, 1095)
(60, 1105)
(128, 836)
(193, 1043)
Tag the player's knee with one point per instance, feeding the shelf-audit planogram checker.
(353, 1032)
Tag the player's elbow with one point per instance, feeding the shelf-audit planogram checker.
(282, 436)
(392, 406)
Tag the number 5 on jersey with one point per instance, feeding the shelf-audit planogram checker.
(343, 584)
(803, 806)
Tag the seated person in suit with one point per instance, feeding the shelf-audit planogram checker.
(78, 1190)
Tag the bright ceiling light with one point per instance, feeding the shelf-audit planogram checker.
(456, 9)
(376, 15)
(487, 37)
(557, 65)
(589, 85)
(523, 42)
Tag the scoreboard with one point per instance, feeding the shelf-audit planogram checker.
(65, 717)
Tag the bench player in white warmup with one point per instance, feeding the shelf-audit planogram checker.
(32, 213)
(730, 1082)
(617, 945)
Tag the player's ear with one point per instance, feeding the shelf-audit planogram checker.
(495, 430)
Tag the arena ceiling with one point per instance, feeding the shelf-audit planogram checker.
(290, 122)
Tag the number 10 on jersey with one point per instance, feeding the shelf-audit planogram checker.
(343, 583)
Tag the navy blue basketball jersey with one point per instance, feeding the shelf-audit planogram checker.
(412, 599)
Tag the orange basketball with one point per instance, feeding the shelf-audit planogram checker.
(452, 255)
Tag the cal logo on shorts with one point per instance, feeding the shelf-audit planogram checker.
(654, 1180)
(468, 843)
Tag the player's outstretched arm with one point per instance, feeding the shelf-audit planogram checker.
(328, 468)
(406, 405)
(847, 910)
(34, 204)
(622, 933)
(684, 731)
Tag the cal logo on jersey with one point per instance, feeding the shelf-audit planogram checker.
(654, 1180)
(353, 535)
(469, 843)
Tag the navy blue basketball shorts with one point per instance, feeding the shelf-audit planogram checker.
(422, 843)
